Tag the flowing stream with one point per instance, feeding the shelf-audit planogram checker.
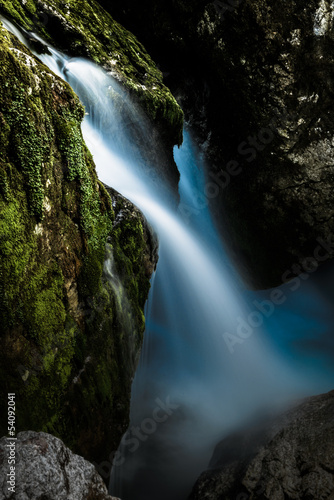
(203, 369)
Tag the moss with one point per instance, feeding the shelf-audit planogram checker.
(70, 144)
(4, 183)
(18, 11)
(65, 340)
(34, 305)
(90, 276)
(47, 312)
(30, 145)
(84, 28)
(16, 254)
(129, 247)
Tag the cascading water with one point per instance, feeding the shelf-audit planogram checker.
(196, 380)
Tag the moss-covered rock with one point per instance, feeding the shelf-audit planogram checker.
(83, 28)
(65, 340)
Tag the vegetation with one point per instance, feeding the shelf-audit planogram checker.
(83, 28)
(64, 339)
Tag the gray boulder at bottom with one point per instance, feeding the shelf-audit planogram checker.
(46, 469)
(286, 457)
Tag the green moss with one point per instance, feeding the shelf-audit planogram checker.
(79, 166)
(70, 144)
(30, 145)
(68, 339)
(33, 264)
(48, 311)
(90, 276)
(84, 28)
(16, 254)
(34, 300)
(4, 183)
(17, 11)
(129, 246)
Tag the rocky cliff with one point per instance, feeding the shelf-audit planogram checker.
(255, 79)
(75, 264)
(290, 456)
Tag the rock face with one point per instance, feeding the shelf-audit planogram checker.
(287, 457)
(255, 79)
(74, 274)
(46, 469)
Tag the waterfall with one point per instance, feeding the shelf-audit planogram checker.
(204, 368)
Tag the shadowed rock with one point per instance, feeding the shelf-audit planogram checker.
(290, 456)
(46, 469)
(255, 80)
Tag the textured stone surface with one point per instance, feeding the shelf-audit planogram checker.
(291, 456)
(240, 68)
(47, 470)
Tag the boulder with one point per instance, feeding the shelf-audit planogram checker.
(46, 469)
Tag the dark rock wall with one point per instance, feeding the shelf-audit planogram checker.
(255, 79)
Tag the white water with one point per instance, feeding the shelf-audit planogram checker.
(194, 299)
